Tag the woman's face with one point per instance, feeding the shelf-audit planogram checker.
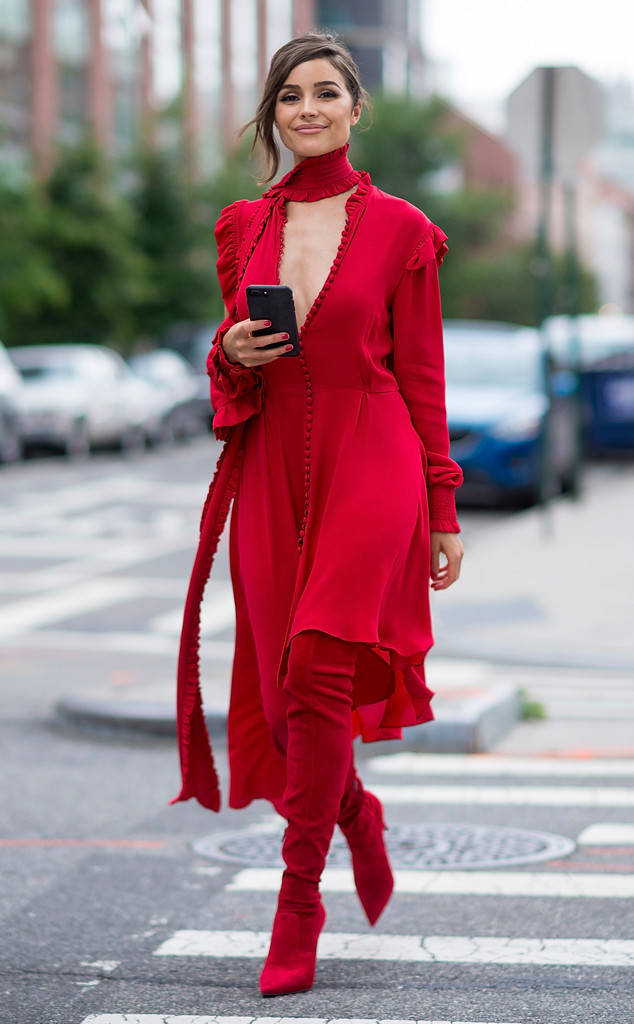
(314, 110)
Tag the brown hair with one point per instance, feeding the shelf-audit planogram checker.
(296, 51)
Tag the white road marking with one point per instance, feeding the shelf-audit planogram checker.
(101, 965)
(473, 883)
(131, 643)
(18, 617)
(153, 1018)
(610, 833)
(457, 949)
(217, 613)
(71, 573)
(554, 796)
(407, 763)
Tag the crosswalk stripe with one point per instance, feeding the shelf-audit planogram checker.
(127, 642)
(407, 763)
(457, 949)
(153, 1018)
(569, 796)
(609, 833)
(476, 883)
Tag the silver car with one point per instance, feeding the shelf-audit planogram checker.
(77, 397)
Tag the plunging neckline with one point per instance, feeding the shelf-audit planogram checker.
(344, 241)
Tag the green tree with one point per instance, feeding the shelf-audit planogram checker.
(486, 274)
(29, 281)
(173, 232)
(405, 144)
(86, 232)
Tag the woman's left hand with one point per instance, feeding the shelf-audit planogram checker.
(450, 545)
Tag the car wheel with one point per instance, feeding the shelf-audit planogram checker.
(570, 480)
(133, 441)
(78, 442)
(10, 442)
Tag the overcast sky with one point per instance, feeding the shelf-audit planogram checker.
(484, 48)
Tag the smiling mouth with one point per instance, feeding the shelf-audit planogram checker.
(310, 128)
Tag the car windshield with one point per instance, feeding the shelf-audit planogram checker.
(483, 362)
(50, 371)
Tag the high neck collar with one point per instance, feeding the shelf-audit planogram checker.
(316, 177)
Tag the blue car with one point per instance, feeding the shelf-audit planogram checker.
(602, 348)
(501, 424)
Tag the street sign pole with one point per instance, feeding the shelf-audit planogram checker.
(572, 308)
(544, 269)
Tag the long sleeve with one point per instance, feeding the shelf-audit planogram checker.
(419, 370)
(235, 390)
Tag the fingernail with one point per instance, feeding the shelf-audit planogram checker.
(267, 323)
(285, 336)
(288, 348)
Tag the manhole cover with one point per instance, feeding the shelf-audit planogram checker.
(433, 847)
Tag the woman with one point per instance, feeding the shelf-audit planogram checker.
(337, 462)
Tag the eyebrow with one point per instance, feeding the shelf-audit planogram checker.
(290, 85)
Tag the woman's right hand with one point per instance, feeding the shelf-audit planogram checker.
(240, 346)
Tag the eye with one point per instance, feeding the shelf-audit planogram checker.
(288, 96)
(329, 92)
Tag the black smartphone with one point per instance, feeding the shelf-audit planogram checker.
(274, 302)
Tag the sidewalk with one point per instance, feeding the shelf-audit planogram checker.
(544, 604)
(551, 588)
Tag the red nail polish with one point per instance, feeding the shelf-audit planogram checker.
(267, 323)
(285, 336)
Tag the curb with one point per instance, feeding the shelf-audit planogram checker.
(471, 727)
(474, 727)
(129, 718)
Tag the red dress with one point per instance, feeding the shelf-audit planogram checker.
(338, 465)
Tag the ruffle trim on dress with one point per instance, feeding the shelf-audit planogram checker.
(432, 246)
(409, 704)
(307, 195)
(316, 177)
(227, 243)
(234, 378)
(443, 474)
(198, 772)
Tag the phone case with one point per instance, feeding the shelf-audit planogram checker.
(274, 302)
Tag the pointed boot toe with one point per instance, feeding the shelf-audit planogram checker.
(370, 862)
(290, 965)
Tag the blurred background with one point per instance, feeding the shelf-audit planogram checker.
(512, 126)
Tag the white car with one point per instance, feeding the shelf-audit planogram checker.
(10, 392)
(174, 378)
(77, 397)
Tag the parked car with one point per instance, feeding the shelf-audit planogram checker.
(174, 378)
(497, 412)
(193, 342)
(10, 389)
(81, 396)
(602, 347)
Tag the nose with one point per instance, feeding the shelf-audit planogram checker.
(308, 107)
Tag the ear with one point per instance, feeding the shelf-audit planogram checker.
(356, 113)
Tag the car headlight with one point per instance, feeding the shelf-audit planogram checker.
(522, 425)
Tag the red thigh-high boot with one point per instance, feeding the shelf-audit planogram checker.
(319, 741)
(362, 823)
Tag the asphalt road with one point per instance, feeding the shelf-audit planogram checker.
(110, 914)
